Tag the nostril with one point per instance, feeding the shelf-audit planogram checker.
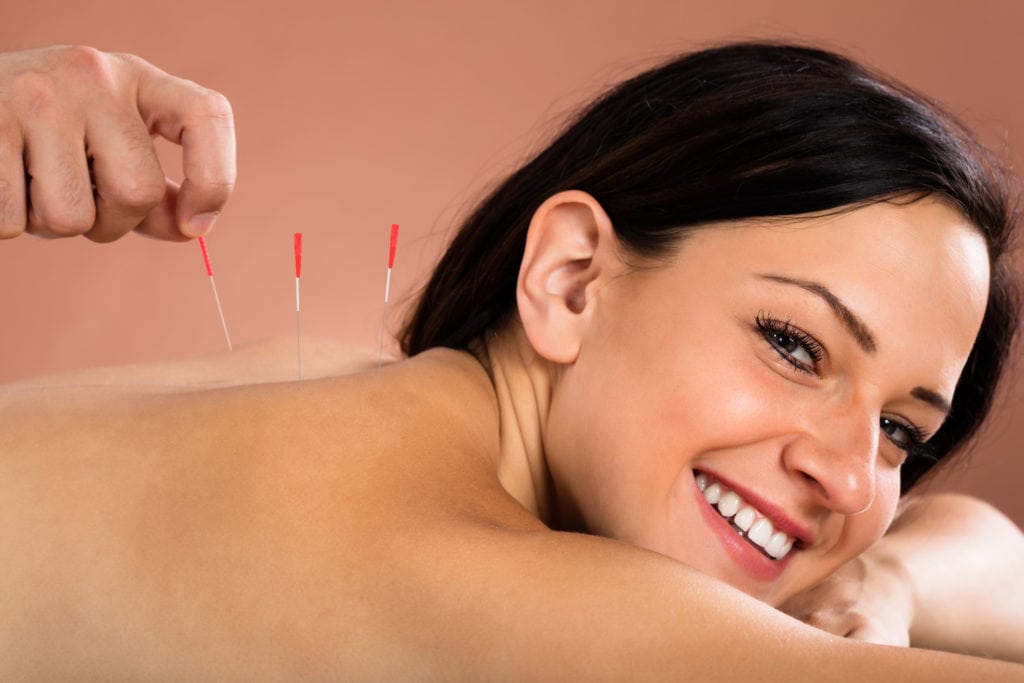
(813, 482)
(839, 475)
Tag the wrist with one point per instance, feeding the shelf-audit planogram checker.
(892, 576)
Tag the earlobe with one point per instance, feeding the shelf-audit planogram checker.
(570, 247)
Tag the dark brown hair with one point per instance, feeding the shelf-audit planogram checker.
(741, 131)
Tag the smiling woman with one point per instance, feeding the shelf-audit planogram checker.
(669, 379)
(733, 363)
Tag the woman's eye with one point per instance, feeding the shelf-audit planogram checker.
(904, 436)
(793, 349)
(794, 346)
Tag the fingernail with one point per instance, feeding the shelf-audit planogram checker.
(201, 223)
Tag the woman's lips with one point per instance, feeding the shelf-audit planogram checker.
(749, 557)
(770, 511)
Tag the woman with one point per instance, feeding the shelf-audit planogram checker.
(701, 328)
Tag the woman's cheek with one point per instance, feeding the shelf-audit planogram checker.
(730, 403)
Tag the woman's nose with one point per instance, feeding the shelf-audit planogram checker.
(837, 460)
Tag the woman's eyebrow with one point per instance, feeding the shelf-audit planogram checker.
(858, 329)
(855, 325)
(932, 398)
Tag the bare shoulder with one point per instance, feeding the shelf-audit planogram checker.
(277, 509)
(270, 360)
(348, 528)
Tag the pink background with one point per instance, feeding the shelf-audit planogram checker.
(352, 116)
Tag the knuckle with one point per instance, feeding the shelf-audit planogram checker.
(33, 91)
(218, 182)
(86, 71)
(40, 88)
(67, 219)
(133, 61)
(213, 105)
(138, 192)
(213, 182)
(10, 230)
(66, 224)
(86, 62)
(105, 236)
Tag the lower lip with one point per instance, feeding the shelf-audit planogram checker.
(749, 559)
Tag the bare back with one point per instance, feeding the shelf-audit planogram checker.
(258, 519)
(352, 527)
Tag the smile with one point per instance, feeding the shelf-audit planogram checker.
(749, 523)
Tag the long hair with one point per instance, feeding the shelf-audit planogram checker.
(741, 131)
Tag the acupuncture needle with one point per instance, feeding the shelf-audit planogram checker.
(216, 298)
(387, 291)
(298, 307)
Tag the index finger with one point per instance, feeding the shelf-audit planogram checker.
(201, 121)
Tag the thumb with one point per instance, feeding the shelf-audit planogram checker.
(198, 207)
(201, 121)
(208, 156)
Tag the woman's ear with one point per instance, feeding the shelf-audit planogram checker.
(570, 249)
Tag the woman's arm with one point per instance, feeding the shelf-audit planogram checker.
(567, 607)
(966, 562)
(946, 576)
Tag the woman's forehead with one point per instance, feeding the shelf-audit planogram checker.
(926, 239)
(915, 270)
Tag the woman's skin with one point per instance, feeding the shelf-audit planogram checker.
(196, 520)
(665, 372)
(399, 527)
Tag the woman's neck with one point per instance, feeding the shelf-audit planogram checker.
(523, 382)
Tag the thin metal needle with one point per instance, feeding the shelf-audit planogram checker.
(383, 320)
(220, 312)
(387, 291)
(213, 284)
(298, 306)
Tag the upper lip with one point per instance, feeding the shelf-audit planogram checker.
(775, 514)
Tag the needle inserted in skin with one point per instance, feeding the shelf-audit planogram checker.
(298, 307)
(387, 291)
(216, 298)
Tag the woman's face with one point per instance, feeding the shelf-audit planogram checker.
(785, 367)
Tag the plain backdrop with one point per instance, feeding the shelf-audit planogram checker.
(355, 115)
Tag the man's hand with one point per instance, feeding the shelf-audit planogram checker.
(76, 147)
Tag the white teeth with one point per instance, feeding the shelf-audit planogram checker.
(712, 493)
(757, 529)
(744, 519)
(729, 504)
(761, 532)
(776, 544)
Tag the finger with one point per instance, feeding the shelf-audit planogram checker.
(13, 216)
(126, 172)
(60, 189)
(159, 222)
(838, 621)
(872, 631)
(201, 121)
